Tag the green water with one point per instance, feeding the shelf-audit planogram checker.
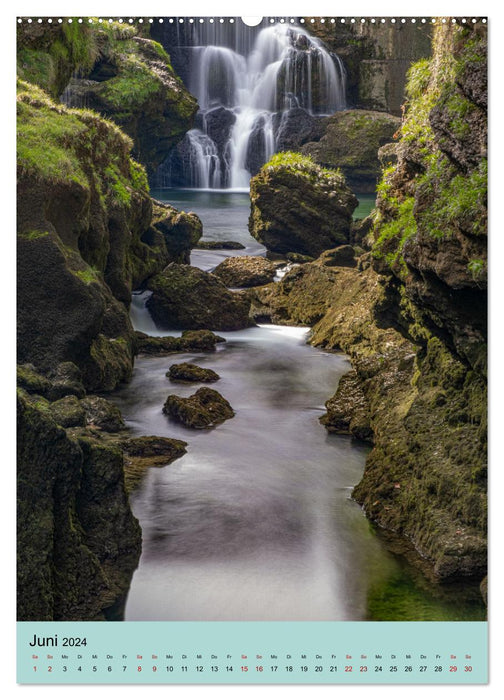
(366, 205)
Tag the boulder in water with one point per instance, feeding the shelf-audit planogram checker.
(245, 271)
(190, 341)
(102, 414)
(146, 451)
(204, 409)
(299, 207)
(68, 412)
(220, 245)
(187, 372)
(187, 297)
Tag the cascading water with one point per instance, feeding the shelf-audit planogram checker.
(245, 93)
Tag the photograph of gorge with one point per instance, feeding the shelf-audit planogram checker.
(252, 319)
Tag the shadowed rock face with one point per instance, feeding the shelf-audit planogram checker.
(204, 409)
(186, 297)
(296, 206)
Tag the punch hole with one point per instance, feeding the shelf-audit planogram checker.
(252, 21)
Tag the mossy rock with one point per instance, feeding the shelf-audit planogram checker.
(245, 271)
(189, 341)
(68, 412)
(220, 245)
(187, 372)
(187, 297)
(141, 453)
(102, 414)
(181, 230)
(350, 141)
(299, 207)
(204, 409)
(31, 381)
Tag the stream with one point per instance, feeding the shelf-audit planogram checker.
(256, 521)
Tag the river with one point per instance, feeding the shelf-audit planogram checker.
(256, 521)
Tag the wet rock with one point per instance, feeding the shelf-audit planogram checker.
(141, 453)
(187, 297)
(204, 409)
(246, 271)
(298, 258)
(219, 245)
(102, 414)
(190, 341)
(187, 372)
(299, 207)
(348, 410)
(295, 128)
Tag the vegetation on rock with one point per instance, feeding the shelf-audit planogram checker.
(187, 372)
(298, 206)
(204, 409)
(245, 271)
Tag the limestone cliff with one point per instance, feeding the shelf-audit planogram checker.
(376, 58)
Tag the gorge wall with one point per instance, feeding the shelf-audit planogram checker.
(411, 314)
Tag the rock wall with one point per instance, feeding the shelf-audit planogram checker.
(376, 58)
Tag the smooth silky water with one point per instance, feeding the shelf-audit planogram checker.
(256, 521)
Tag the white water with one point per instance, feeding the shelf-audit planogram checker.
(286, 68)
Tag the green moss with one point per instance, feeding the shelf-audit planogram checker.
(397, 232)
(477, 268)
(133, 87)
(88, 276)
(138, 176)
(43, 137)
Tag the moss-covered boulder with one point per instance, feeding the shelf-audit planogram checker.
(188, 372)
(187, 297)
(298, 206)
(204, 409)
(348, 410)
(102, 414)
(220, 245)
(181, 230)
(68, 412)
(126, 77)
(245, 271)
(189, 341)
(141, 453)
(78, 543)
(350, 141)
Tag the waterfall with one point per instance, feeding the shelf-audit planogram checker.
(245, 85)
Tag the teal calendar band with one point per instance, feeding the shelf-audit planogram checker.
(252, 652)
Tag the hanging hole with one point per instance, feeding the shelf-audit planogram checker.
(252, 21)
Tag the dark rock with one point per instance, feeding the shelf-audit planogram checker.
(343, 256)
(296, 127)
(78, 543)
(31, 381)
(68, 412)
(66, 379)
(296, 206)
(102, 414)
(181, 231)
(187, 297)
(204, 409)
(141, 453)
(187, 372)
(220, 245)
(350, 141)
(190, 341)
(245, 271)
(298, 258)
(217, 123)
(348, 410)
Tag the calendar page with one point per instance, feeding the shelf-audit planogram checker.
(252, 365)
